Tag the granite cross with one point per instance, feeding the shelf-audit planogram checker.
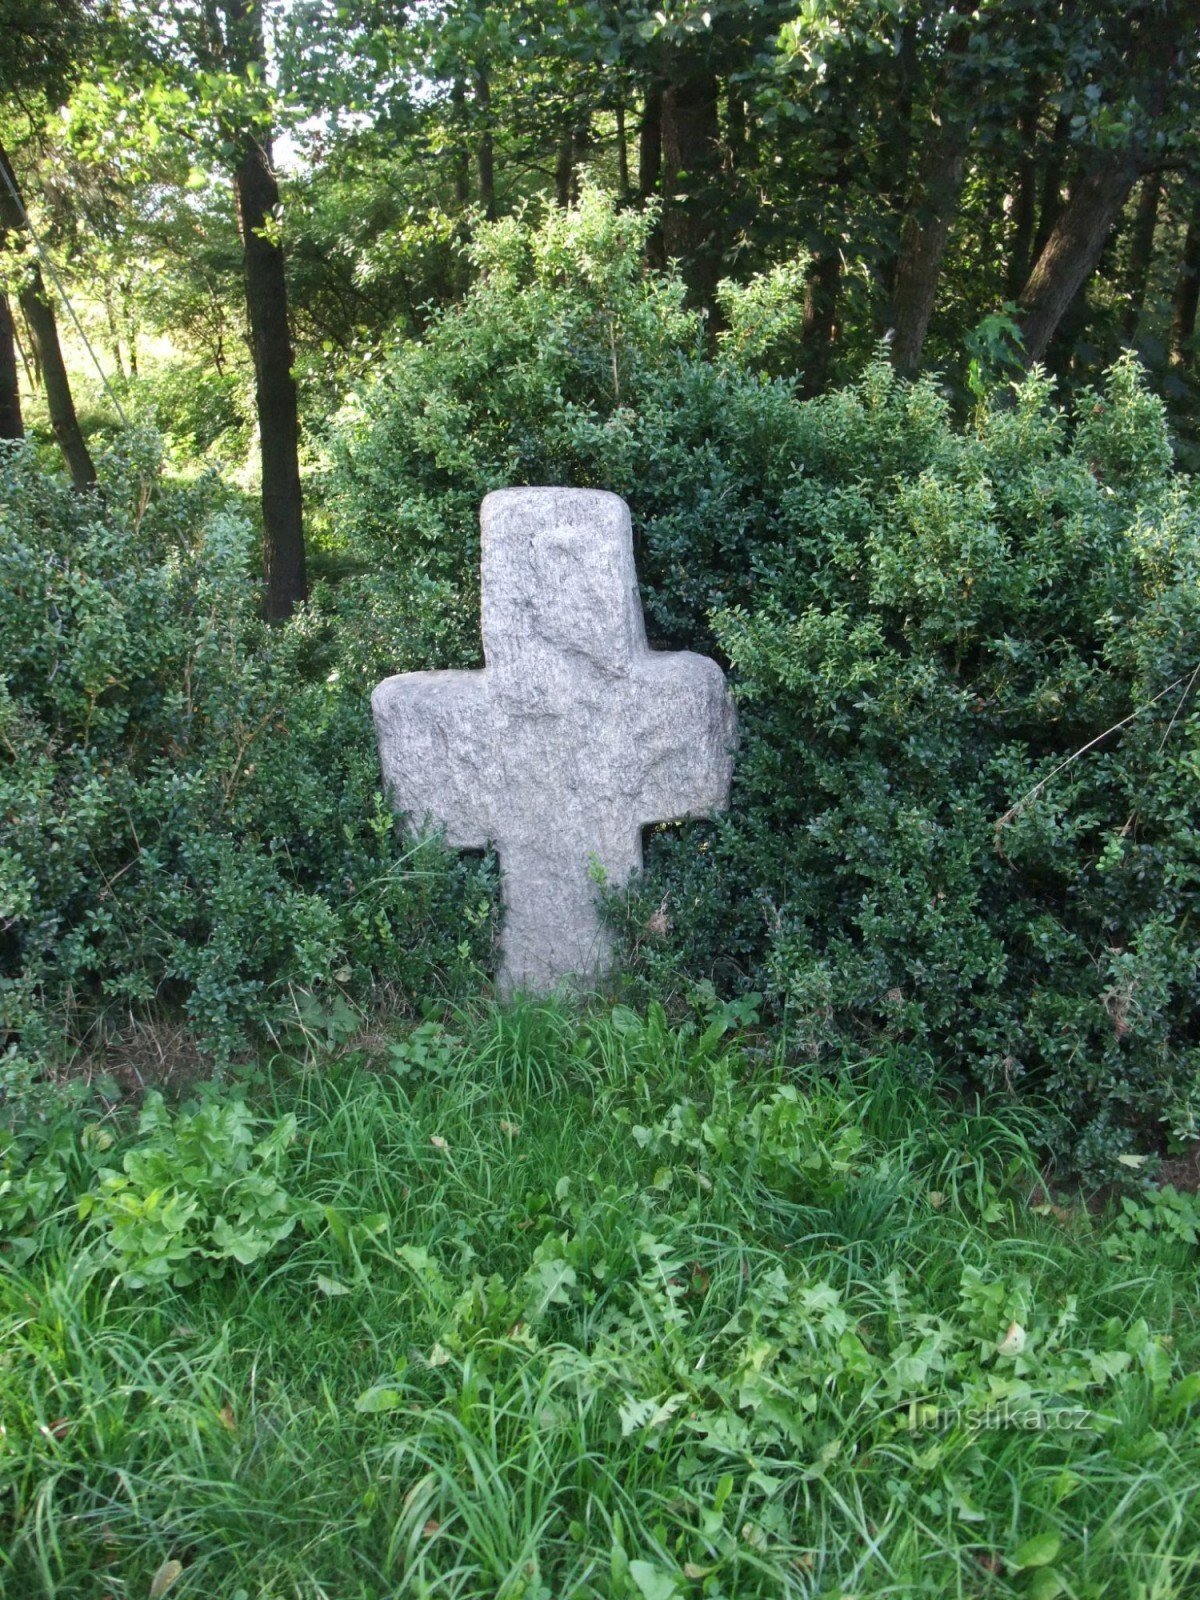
(573, 737)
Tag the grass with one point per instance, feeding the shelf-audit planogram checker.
(593, 1306)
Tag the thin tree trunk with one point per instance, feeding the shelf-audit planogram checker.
(1024, 215)
(923, 241)
(650, 143)
(933, 204)
(564, 167)
(821, 290)
(43, 334)
(257, 194)
(11, 423)
(622, 157)
(1187, 294)
(735, 120)
(114, 333)
(275, 386)
(1141, 251)
(581, 143)
(27, 354)
(130, 321)
(485, 155)
(893, 169)
(691, 157)
(650, 168)
(823, 284)
(462, 156)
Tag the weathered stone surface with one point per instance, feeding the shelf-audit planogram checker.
(573, 737)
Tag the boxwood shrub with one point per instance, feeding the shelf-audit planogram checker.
(189, 801)
(965, 811)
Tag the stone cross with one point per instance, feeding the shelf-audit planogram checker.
(573, 737)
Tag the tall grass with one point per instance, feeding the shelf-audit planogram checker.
(594, 1306)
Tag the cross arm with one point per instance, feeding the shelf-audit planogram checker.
(685, 733)
(435, 746)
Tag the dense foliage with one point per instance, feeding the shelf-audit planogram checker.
(1016, 180)
(964, 803)
(966, 789)
(592, 1306)
(568, 362)
(191, 800)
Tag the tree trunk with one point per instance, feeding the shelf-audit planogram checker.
(130, 322)
(1076, 241)
(485, 155)
(923, 240)
(564, 166)
(114, 332)
(25, 350)
(823, 284)
(1050, 203)
(1073, 249)
(1141, 251)
(1024, 214)
(581, 143)
(257, 194)
(275, 386)
(11, 424)
(574, 142)
(462, 157)
(1187, 294)
(892, 181)
(691, 159)
(735, 120)
(933, 204)
(650, 142)
(622, 158)
(43, 333)
(821, 291)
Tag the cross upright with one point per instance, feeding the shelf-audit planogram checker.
(573, 737)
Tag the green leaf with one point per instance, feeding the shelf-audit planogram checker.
(165, 1578)
(652, 1582)
(1039, 1551)
(1045, 1585)
(381, 1398)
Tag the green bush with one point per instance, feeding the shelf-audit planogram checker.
(567, 363)
(192, 812)
(966, 810)
(925, 621)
